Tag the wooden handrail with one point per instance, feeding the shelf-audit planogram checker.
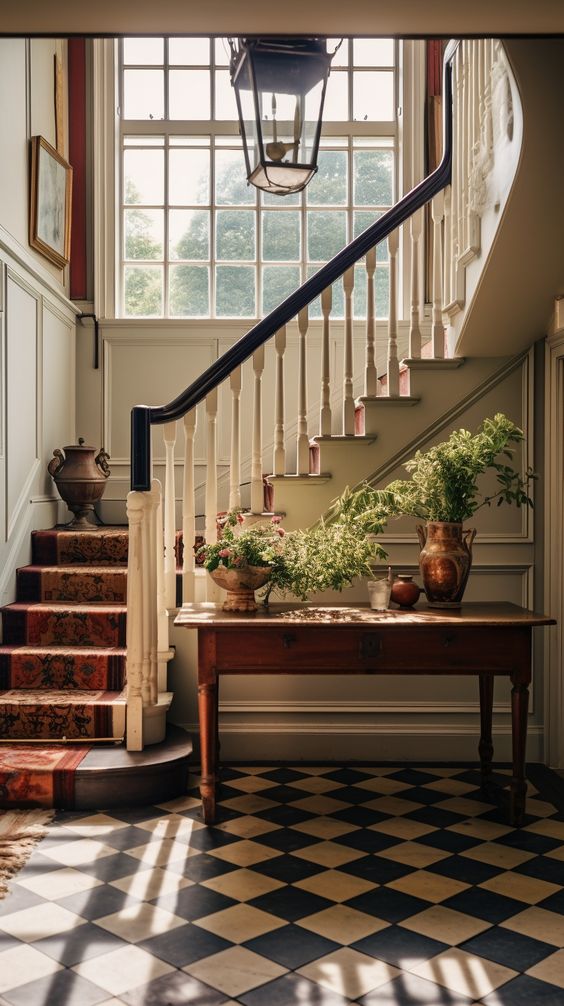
(145, 416)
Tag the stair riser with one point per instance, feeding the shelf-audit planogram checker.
(100, 672)
(55, 722)
(41, 627)
(65, 548)
(61, 587)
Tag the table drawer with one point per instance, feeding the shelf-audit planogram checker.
(363, 649)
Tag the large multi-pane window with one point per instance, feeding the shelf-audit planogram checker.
(197, 240)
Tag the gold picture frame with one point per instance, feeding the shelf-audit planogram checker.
(50, 203)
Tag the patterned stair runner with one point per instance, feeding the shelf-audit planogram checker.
(62, 662)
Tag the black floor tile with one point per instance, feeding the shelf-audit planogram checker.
(287, 840)
(508, 948)
(79, 944)
(290, 990)
(543, 868)
(18, 899)
(292, 946)
(288, 869)
(211, 838)
(285, 815)
(529, 841)
(414, 776)
(394, 906)
(366, 840)
(484, 904)
(65, 988)
(409, 990)
(98, 902)
(194, 902)
(291, 903)
(113, 867)
(377, 869)
(184, 945)
(199, 868)
(123, 839)
(449, 841)
(399, 947)
(359, 815)
(525, 991)
(435, 816)
(348, 776)
(283, 775)
(132, 815)
(469, 871)
(284, 794)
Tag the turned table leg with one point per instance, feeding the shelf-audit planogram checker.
(207, 707)
(519, 712)
(485, 747)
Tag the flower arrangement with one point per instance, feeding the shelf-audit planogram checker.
(303, 562)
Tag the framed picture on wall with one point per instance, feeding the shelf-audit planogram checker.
(50, 205)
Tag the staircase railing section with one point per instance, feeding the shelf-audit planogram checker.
(454, 238)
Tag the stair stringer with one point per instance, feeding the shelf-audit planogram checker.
(442, 399)
(510, 286)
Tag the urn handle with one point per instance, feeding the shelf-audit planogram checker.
(101, 460)
(422, 535)
(467, 539)
(56, 462)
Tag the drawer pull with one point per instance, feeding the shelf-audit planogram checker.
(448, 640)
(370, 646)
(287, 640)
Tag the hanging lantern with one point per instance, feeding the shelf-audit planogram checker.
(280, 89)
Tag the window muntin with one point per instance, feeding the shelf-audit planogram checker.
(197, 241)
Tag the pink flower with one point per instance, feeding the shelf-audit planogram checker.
(276, 519)
(281, 531)
(240, 518)
(225, 553)
(237, 561)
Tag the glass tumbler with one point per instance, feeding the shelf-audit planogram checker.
(379, 593)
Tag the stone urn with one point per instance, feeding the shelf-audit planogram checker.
(240, 585)
(445, 561)
(80, 476)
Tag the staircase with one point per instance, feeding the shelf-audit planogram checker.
(63, 677)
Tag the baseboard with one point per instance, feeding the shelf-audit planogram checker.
(370, 742)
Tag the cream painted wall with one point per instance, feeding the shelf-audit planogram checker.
(37, 322)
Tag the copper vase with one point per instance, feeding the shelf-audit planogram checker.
(445, 560)
(80, 476)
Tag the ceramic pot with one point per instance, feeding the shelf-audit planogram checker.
(444, 561)
(240, 585)
(80, 476)
(404, 591)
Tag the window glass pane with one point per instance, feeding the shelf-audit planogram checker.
(281, 236)
(373, 52)
(337, 97)
(225, 104)
(341, 57)
(231, 184)
(329, 186)
(189, 234)
(186, 51)
(143, 51)
(338, 298)
(373, 177)
(359, 292)
(143, 291)
(143, 141)
(222, 54)
(362, 220)
(269, 199)
(326, 234)
(143, 234)
(188, 176)
(143, 94)
(373, 95)
(278, 282)
(235, 291)
(189, 295)
(143, 177)
(189, 94)
(235, 235)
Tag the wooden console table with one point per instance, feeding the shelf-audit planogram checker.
(481, 639)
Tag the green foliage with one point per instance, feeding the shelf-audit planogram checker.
(304, 562)
(444, 480)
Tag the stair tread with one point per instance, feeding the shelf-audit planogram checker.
(85, 651)
(112, 607)
(46, 697)
(79, 569)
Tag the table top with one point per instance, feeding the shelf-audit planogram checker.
(349, 616)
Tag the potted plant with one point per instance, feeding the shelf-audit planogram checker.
(303, 562)
(443, 491)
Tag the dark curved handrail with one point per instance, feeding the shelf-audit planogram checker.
(145, 416)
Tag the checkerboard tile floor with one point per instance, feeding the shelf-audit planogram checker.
(317, 885)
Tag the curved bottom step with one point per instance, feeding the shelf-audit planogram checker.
(94, 778)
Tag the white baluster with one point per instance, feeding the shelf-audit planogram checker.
(134, 641)
(162, 644)
(188, 510)
(156, 579)
(235, 463)
(437, 331)
(393, 362)
(257, 492)
(149, 598)
(371, 388)
(279, 461)
(447, 247)
(325, 412)
(303, 438)
(169, 436)
(348, 389)
(416, 227)
(464, 146)
(211, 472)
